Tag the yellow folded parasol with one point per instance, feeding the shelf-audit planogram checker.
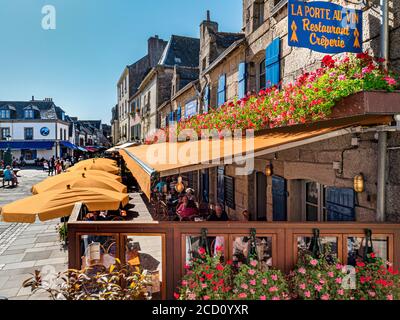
(83, 180)
(70, 176)
(60, 203)
(95, 165)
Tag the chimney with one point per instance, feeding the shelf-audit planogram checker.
(155, 49)
(208, 24)
(33, 98)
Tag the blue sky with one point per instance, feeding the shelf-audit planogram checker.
(79, 63)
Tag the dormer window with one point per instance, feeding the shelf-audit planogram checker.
(29, 114)
(5, 114)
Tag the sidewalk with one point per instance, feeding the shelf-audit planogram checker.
(25, 248)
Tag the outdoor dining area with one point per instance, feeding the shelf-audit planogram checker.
(92, 182)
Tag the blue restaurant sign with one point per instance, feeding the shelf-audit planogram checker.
(324, 27)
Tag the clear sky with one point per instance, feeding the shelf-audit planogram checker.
(78, 64)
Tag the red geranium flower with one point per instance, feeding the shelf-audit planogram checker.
(328, 61)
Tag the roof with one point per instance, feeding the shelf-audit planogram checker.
(225, 39)
(235, 45)
(181, 51)
(47, 109)
(210, 153)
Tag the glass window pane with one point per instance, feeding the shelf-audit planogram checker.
(241, 247)
(311, 212)
(312, 192)
(193, 244)
(356, 247)
(145, 254)
(304, 244)
(98, 250)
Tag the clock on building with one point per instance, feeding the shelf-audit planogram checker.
(44, 131)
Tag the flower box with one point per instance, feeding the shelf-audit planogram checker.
(367, 103)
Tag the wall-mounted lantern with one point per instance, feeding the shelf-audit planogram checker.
(268, 170)
(359, 184)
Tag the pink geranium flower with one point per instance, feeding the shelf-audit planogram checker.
(302, 270)
(307, 294)
(390, 81)
(263, 298)
(314, 262)
(325, 297)
(252, 272)
(274, 277)
(253, 282)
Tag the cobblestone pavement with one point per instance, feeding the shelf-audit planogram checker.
(25, 248)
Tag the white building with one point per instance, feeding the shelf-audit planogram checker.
(34, 129)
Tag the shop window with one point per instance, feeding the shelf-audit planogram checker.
(29, 154)
(314, 201)
(329, 245)
(356, 247)
(144, 253)
(5, 132)
(28, 133)
(211, 243)
(98, 251)
(241, 249)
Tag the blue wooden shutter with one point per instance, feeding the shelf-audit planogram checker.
(279, 198)
(272, 63)
(179, 114)
(242, 80)
(221, 90)
(340, 204)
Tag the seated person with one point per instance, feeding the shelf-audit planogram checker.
(190, 194)
(9, 175)
(187, 209)
(219, 214)
(160, 186)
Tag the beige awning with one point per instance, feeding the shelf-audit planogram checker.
(171, 158)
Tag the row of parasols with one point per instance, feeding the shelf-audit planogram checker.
(93, 182)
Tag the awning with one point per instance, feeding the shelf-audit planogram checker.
(68, 145)
(168, 159)
(82, 149)
(92, 149)
(28, 145)
(122, 146)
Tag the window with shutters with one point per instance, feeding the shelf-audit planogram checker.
(242, 80)
(272, 63)
(221, 95)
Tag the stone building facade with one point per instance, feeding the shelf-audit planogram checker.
(129, 83)
(307, 170)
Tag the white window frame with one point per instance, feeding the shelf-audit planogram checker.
(321, 206)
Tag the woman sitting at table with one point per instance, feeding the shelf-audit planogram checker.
(187, 209)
